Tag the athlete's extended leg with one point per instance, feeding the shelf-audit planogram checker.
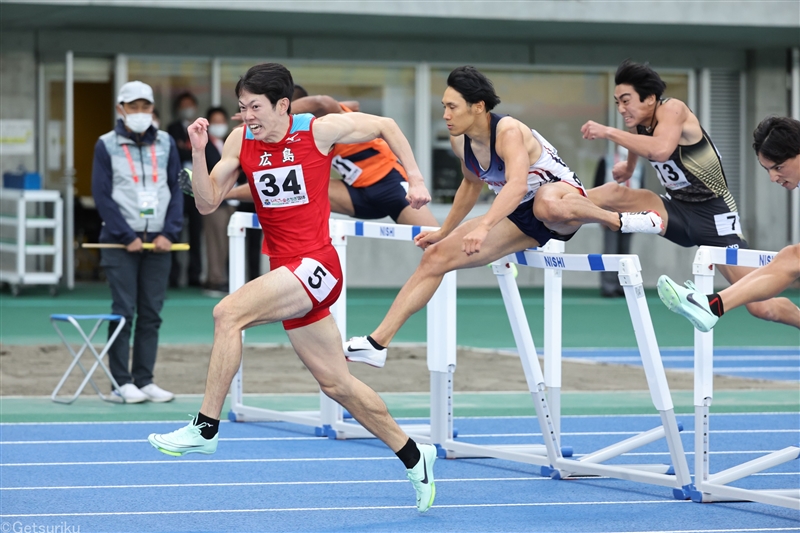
(273, 297)
(319, 346)
(615, 197)
(441, 258)
(756, 288)
(417, 217)
(340, 198)
(759, 285)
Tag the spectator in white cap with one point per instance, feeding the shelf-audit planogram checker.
(135, 187)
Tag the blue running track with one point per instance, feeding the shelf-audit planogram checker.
(278, 477)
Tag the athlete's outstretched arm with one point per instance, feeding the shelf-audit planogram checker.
(656, 148)
(210, 190)
(348, 128)
(318, 105)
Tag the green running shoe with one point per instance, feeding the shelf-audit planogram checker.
(421, 476)
(688, 302)
(184, 440)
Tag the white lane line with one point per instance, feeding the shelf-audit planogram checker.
(276, 483)
(279, 483)
(687, 358)
(364, 508)
(143, 439)
(737, 530)
(205, 461)
(308, 459)
(461, 435)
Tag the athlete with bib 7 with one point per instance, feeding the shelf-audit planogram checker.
(287, 160)
(698, 208)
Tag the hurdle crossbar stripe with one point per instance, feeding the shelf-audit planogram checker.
(677, 477)
(329, 420)
(714, 487)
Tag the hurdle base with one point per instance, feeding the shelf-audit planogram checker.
(712, 493)
(243, 413)
(664, 469)
(353, 430)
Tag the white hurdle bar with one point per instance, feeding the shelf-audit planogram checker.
(554, 463)
(329, 420)
(714, 487)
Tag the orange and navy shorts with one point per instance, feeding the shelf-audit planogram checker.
(320, 273)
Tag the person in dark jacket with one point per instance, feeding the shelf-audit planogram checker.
(135, 187)
(185, 111)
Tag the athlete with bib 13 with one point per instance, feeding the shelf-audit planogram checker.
(287, 159)
(697, 209)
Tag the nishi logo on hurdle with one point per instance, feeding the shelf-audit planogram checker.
(715, 487)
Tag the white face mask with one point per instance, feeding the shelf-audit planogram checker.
(218, 130)
(139, 122)
(187, 113)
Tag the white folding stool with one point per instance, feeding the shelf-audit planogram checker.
(87, 343)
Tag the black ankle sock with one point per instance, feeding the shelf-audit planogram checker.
(209, 430)
(409, 454)
(375, 344)
(715, 303)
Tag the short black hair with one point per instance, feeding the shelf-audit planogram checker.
(273, 80)
(299, 92)
(641, 77)
(182, 96)
(216, 109)
(473, 86)
(777, 139)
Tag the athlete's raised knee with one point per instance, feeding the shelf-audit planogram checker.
(550, 211)
(606, 195)
(225, 316)
(790, 255)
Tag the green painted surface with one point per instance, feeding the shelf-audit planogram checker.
(401, 405)
(589, 321)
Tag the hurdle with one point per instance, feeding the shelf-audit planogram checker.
(329, 421)
(714, 487)
(554, 462)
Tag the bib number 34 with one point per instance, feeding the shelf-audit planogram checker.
(281, 187)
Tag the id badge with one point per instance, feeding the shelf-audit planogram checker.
(148, 201)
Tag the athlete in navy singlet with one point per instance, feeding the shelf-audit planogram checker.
(538, 198)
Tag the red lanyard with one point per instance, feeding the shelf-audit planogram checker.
(133, 168)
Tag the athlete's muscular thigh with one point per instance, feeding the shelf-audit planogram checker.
(618, 198)
(503, 239)
(275, 296)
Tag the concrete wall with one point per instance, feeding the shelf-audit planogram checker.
(767, 206)
(17, 88)
(384, 264)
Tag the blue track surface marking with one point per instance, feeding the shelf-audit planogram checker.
(278, 477)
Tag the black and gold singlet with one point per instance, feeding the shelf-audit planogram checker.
(693, 173)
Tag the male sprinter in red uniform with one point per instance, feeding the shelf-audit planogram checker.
(287, 159)
(374, 184)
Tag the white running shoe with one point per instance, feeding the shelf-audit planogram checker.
(129, 393)
(359, 350)
(156, 394)
(642, 222)
(421, 476)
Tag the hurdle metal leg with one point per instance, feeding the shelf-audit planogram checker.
(714, 487)
(676, 476)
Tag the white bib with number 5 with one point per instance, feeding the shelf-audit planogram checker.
(670, 175)
(316, 278)
(281, 186)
